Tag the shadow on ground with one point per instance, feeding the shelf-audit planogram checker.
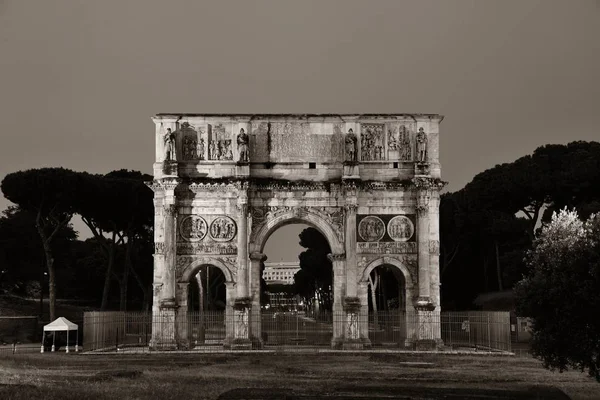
(400, 392)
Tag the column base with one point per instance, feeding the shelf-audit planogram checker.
(356, 344)
(424, 344)
(238, 344)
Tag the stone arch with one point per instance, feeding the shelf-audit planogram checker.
(257, 243)
(387, 260)
(198, 262)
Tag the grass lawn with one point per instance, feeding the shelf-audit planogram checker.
(279, 376)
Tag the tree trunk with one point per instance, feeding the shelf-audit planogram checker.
(200, 291)
(384, 306)
(124, 282)
(498, 269)
(485, 275)
(42, 292)
(50, 267)
(107, 276)
(374, 282)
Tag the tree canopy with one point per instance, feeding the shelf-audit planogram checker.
(487, 227)
(52, 195)
(315, 277)
(561, 293)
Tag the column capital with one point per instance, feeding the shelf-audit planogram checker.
(170, 210)
(257, 256)
(351, 207)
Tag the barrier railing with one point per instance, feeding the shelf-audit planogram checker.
(211, 330)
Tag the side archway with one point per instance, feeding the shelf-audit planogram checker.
(377, 326)
(387, 261)
(198, 262)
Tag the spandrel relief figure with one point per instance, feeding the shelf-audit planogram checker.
(351, 143)
(421, 146)
(242, 142)
(169, 141)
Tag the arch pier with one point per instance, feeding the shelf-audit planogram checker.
(224, 183)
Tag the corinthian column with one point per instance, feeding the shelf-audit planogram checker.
(170, 254)
(423, 246)
(351, 266)
(242, 244)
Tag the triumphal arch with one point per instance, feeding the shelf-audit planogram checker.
(223, 183)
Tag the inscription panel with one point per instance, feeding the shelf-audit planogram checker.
(206, 248)
(386, 247)
(296, 142)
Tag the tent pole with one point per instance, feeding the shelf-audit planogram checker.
(53, 339)
(43, 336)
(77, 339)
(67, 350)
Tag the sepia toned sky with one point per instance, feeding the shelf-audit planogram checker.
(79, 80)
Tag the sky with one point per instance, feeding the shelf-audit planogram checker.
(80, 80)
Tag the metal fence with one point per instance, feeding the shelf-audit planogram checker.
(209, 331)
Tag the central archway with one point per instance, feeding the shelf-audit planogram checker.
(256, 248)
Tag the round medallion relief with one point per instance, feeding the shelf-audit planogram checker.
(371, 229)
(223, 229)
(400, 228)
(193, 228)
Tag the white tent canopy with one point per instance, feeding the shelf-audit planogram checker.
(61, 324)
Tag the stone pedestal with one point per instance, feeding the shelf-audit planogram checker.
(353, 340)
(164, 332)
(351, 170)
(242, 169)
(241, 325)
(426, 329)
(170, 169)
(422, 169)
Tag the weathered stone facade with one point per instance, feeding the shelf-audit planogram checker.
(224, 183)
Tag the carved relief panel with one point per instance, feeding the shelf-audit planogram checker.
(399, 142)
(372, 142)
(385, 234)
(404, 147)
(192, 145)
(208, 234)
(193, 228)
(220, 146)
(222, 229)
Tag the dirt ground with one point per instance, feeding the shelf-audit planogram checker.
(285, 376)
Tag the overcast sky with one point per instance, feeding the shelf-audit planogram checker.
(79, 80)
